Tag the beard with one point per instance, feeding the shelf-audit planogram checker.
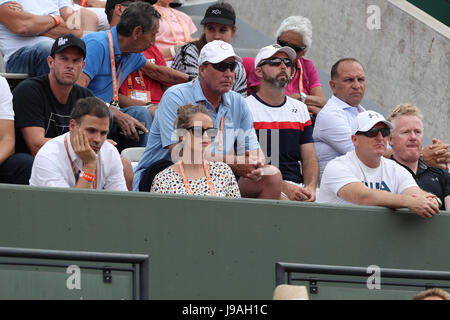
(277, 81)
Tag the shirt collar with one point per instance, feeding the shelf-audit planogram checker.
(343, 105)
(421, 167)
(225, 102)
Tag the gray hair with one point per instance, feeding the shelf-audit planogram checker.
(297, 24)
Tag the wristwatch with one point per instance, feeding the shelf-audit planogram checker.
(303, 97)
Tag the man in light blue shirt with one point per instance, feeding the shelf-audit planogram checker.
(332, 130)
(236, 144)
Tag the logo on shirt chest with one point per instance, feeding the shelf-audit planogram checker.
(294, 110)
(377, 185)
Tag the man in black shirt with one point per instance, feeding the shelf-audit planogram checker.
(406, 143)
(43, 104)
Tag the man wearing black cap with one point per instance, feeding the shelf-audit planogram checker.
(43, 104)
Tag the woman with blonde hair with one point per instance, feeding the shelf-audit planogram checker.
(191, 173)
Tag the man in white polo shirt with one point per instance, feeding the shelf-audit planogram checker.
(80, 158)
(364, 177)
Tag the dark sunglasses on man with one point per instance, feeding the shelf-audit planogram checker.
(223, 66)
(297, 49)
(200, 131)
(276, 62)
(374, 132)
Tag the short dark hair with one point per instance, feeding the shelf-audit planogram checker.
(137, 14)
(89, 106)
(334, 68)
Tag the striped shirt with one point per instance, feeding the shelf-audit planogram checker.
(281, 130)
(186, 60)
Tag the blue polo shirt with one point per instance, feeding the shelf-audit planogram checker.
(98, 63)
(239, 133)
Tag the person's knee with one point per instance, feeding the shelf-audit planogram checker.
(272, 179)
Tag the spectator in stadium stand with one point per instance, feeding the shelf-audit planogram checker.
(138, 89)
(332, 129)
(432, 294)
(236, 143)
(364, 177)
(219, 23)
(80, 158)
(43, 104)
(27, 32)
(305, 86)
(192, 174)
(175, 29)
(14, 168)
(111, 56)
(286, 119)
(406, 142)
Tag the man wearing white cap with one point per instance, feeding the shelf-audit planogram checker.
(236, 139)
(285, 122)
(365, 177)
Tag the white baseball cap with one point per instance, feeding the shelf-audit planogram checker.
(365, 121)
(216, 51)
(271, 50)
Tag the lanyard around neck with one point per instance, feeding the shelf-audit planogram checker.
(186, 36)
(73, 165)
(208, 177)
(141, 80)
(113, 68)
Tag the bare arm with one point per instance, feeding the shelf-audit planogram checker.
(315, 100)
(310, 167)
(23, 23)
(358, 193)
(447, 203)
(164, 74)
(7, 139)
(84, 80)
(92, 3)
(34, 138)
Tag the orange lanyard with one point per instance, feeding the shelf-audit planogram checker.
(73, 165)
(186, 36)
(186, 182)
(141, 80)
(300, 80)
(113, 68)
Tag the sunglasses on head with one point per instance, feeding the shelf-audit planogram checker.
(200, 131)
(374, 132)
(276, 62)
(293, 47)
(223, 66)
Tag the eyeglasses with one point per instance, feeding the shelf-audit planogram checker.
(276, 62)
(223, 66)
(200, 131)
(374, 132)
(293, 47)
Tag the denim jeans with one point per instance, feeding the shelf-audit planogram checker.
(31, 60)
(16, 169)
(139, 113)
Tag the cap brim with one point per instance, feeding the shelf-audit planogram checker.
(224, 21)
(83, 51)
(222, 57)
(369, 126)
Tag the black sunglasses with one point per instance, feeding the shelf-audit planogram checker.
(200, 131)
(293, 47)
(223, 66)
(276, 62)
(374, 132)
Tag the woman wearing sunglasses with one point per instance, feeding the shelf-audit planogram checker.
(296, 32)
(219, 24)
(191, 173)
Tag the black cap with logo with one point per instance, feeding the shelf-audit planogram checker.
(215, 14)
(66, 41)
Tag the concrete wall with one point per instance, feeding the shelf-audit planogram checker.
(212, 248)
(406, 60)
